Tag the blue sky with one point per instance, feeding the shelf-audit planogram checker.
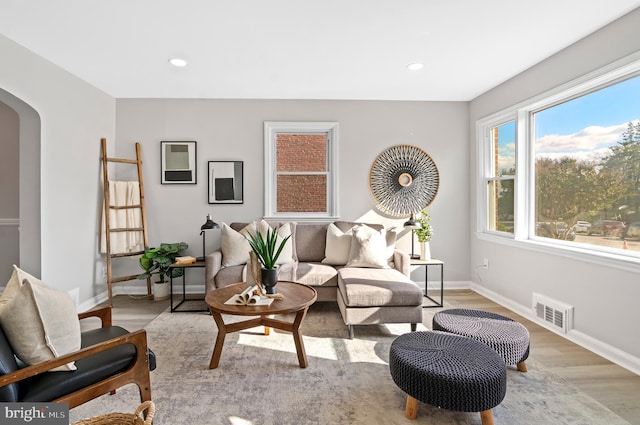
(584, 128)
(611, 106)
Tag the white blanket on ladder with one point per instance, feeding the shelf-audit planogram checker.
(121, 194)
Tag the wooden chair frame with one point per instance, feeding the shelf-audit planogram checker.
(137, 373)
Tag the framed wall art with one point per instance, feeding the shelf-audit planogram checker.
(178, 163)
(225, 183)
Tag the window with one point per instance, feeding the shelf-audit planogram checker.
(564, 169)
(500, 179)
(300, 170)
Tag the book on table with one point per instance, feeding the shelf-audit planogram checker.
(181, 261)
(249, 296)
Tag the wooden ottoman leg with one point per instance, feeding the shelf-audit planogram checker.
(411, 411)
(487, 417)
(522, 367)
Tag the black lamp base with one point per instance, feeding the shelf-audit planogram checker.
(414, 256)
(199, 258)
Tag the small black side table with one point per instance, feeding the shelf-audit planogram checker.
(184, 267)
(427, 264)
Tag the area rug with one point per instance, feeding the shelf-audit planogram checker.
(259, 382)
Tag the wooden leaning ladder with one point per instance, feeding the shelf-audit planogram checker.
(107, 227)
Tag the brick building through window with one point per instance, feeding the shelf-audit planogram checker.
(300, 177)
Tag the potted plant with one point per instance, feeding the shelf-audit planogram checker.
(157, 261)
(424, 233)
(267, 251)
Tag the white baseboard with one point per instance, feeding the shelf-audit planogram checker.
(434, 285)
(598, 347)
(136, 290)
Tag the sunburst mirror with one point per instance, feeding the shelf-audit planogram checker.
(403, 180)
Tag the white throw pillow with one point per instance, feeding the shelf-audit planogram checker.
(41, 323)
(286, 256)
(368, 248)
(234, 245)
(13, 285)
(391, 237)
(338, 245)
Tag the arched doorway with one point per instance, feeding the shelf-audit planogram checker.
(29, 183)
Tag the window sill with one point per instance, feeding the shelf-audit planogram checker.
(629, 263)
(306, 219)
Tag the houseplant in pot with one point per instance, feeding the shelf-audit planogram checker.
(267, 250)
(157, 261)
(424, 232)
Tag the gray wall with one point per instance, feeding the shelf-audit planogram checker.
(73, 117)
(9, 185)
(233, 130)
(605, 297)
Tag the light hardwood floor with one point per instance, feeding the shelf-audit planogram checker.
(611, 385)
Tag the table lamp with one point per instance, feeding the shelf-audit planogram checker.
(411, 224)
(209, 224)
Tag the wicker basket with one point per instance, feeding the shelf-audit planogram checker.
(123, 418)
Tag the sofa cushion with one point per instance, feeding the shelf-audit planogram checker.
(310, 242)
(234, 241)
(337, 246)
(234, 244)
(363, 287)
(316, 274)
(283, 230)
(41, 323)
(368, 248)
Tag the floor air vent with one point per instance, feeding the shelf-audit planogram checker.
(555, 313)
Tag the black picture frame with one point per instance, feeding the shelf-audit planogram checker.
(178, 162)
(225, 183)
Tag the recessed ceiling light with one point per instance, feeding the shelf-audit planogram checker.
(178, 62)
(415, 66)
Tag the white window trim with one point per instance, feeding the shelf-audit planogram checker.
(271, 128)
(524, 223)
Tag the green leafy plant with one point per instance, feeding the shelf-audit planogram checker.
(158, 260)
(425, 231)
(266, 248)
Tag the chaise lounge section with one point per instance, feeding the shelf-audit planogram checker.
(370, 287)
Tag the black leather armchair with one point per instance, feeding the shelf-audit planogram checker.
(110, 358)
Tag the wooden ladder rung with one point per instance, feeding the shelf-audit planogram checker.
(122, 160)
(127, 254)
(126, 207)
(127, 229)
(124, 278)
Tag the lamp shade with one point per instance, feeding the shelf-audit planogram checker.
(209, 224)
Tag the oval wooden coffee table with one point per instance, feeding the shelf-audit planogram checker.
(297, 299)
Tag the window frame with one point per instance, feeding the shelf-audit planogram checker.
(486, 155)
(271, 130)
(524, 197)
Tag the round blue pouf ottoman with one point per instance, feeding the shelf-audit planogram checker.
(448, 371)
(508, 337)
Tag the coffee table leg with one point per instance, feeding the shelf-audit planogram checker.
(297, 338)
(222, 332)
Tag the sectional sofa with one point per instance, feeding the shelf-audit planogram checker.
(353, 264)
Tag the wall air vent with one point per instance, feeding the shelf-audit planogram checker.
(555, 313)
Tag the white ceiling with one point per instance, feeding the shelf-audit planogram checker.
(301, 49)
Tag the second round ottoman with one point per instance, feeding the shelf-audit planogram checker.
(448, 371)
(508, 337)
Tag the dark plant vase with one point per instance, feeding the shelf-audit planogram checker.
(269, 278)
